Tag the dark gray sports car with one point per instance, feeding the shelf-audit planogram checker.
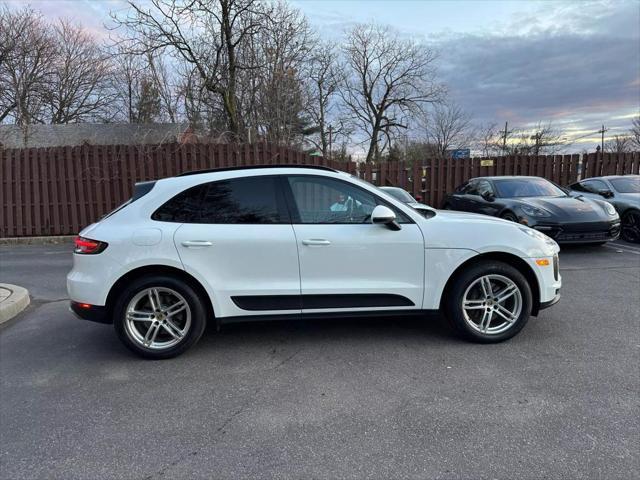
(623, 192)
(540, 204)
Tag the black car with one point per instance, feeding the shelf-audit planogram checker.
(405, 197)
(540, 204)
(623, 192)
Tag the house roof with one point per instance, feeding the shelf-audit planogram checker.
(14, 136)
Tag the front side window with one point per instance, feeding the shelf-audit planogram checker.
(325, 200)
(484, 187)
(249, 200)
(594, 186)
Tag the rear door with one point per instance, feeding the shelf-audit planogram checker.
(346, 262)
(238, 241)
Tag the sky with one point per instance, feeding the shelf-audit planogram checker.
(573, 63)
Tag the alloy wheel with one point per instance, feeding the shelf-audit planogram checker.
(157, 318)
(631, 227)
(492, 304)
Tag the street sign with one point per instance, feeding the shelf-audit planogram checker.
(461, 153)
(486, 163)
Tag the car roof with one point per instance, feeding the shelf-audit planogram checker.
(255, 167)
(611, 177)
(507, 177)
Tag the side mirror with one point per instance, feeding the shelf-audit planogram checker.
(606, 193)
(382, 215)
(488, 196)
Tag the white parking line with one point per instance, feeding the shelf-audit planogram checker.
(623, 247)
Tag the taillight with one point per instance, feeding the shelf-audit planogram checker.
(87, 246)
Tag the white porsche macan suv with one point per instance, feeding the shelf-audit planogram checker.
(243, 243)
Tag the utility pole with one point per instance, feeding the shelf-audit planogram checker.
(504, 137)
(601, 131)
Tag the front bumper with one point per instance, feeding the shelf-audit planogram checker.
(587, 232)
(550, 303)
(94, 313)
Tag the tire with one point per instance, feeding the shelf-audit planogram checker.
(446, 206)
(469, 285)
(509, 216)
(631, 226)
(187, 323)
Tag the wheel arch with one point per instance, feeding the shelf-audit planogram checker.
(508, 258)
(138, 272)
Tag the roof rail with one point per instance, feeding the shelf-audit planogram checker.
(250, 167)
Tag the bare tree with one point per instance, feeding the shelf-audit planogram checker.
(27, 57)
(446, 127)
(619, 144)
(389, 80)
(325, 78)
(635, 132)
(78, 87)
(204, 33)
(543, 139)
(486, 139)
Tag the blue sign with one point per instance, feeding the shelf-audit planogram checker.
(461, 153)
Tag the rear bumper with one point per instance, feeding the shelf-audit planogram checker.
(93, 313)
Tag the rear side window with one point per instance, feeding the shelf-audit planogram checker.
(251, 200)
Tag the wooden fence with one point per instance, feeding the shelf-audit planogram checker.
(58, 191)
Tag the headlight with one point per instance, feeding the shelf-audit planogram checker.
(610, 209)
(539, 236)
(534, 211)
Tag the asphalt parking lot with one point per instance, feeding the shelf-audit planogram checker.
(339, 399)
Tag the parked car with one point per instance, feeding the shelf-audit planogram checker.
(540, 204)
(623, 192)
(245, 243)
(406, 198)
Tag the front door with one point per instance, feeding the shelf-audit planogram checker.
(346, 262)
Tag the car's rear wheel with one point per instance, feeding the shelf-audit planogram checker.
(631, 226)
(489, 302)
(159, 317)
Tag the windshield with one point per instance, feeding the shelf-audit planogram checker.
(527, 187)
(399, 194)
(626, 184)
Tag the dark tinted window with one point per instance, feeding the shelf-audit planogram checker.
(471, 188)
(251, 200)
(242, 200)
(183, 208)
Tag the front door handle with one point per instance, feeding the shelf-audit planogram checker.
(316, 241)
(196, 243)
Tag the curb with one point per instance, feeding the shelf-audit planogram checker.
(13, 299)
(37, 240)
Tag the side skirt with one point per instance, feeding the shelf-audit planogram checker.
(327, 316)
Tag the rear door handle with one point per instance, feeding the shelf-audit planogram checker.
(196, 243)
(316, 241)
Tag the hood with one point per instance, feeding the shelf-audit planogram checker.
(464, 217)
(627, 198)
(569, 208)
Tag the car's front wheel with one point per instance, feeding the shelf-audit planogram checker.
(489, 302)
(631, 226)
(159, 316)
